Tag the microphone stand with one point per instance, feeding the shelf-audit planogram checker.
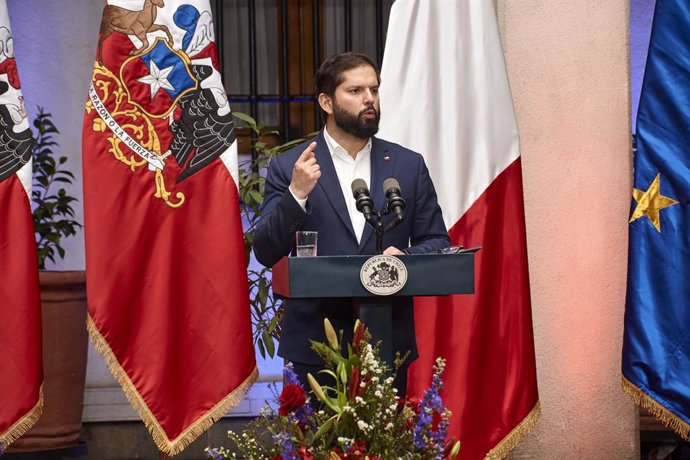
(378, 314)
(376, 221)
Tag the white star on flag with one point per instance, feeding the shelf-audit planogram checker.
(157, 79)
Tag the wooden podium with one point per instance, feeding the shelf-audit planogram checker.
(339, 276)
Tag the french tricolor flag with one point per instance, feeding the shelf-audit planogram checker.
(445, 94)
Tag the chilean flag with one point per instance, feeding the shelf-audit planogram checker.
(21, 365)
(168, 301)
(445, 94)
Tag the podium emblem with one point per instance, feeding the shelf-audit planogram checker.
(383, 275)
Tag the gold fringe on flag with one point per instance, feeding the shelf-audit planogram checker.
(22, 425)
(664, 415)
(203, 423)
(516, 435)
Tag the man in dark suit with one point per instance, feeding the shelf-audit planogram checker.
(308, 188)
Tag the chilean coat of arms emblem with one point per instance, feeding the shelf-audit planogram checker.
(383, 275)
(158, 95)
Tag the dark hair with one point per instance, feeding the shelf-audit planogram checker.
(330, 74)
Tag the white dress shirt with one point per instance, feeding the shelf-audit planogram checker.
(348, 169)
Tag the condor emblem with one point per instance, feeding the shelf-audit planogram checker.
(383, 275)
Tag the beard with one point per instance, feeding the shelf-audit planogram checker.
(356, 125)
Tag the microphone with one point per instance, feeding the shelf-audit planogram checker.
(395, 202)
(360, 192)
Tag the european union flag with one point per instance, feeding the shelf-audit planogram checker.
(656, 346)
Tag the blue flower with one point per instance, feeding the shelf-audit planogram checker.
(213, 453)
(424, 434)
(290, 376)
(287, 448)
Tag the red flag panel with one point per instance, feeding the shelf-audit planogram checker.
(490, 379)
(21, 372)
(166, 275)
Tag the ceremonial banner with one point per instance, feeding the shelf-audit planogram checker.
(656, 350)
(166, 275)
(21, 369)
(445, 94)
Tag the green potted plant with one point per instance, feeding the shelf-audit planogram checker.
(266, 309)
(52, 209)
(63, 299)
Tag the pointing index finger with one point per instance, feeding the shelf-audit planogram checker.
(308, 152)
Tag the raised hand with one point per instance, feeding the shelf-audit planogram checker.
(306, 173)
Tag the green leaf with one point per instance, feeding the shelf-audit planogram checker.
(262, 348)
(323, 429)
(342, 399)
(51, 212)
(247, 120)
(328, 372)
(256, 196)
(268, 342)
(342, 372)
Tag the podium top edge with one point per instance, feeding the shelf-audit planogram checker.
(400, 256)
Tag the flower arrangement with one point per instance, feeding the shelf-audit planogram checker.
(359, 417)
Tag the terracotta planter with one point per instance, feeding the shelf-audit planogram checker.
(63, 303)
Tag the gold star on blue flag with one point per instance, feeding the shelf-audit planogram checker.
(656, 344)
(650, 202)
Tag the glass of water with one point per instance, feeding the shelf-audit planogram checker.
(306, 244)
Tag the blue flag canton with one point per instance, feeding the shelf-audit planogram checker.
(178, 77)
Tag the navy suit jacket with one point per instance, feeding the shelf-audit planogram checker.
(421, 231)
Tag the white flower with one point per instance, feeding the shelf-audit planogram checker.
(362, 425)
(378, 393)
(389, 426)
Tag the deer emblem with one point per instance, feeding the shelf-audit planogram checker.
(128, 22)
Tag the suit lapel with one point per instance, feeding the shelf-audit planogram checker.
(329, 183)
(381, 169)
